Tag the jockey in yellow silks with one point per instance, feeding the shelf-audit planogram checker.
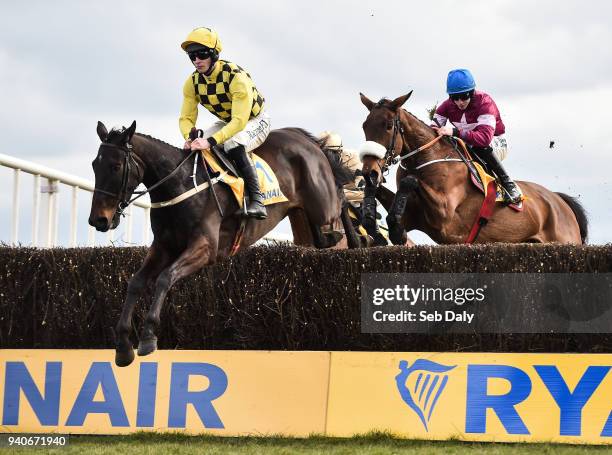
(228, 92)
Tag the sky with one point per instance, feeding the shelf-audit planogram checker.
(64, 65)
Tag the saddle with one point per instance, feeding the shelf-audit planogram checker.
(219, 165)
(481, 178)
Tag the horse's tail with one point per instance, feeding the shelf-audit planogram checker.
(580, 214)
(342, 174)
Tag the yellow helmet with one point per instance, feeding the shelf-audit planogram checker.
(204, 36)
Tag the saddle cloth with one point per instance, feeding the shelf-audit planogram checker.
(482, 184)
(268, 183)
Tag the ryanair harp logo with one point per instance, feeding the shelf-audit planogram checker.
(421, 385)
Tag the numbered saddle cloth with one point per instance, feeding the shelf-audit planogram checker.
(268, 183)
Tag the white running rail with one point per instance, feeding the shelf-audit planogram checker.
(53, 178)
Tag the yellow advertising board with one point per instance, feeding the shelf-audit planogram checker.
(219, 392)
(471, 396)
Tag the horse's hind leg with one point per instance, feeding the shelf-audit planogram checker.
(200, 252)
(307, 233)
(154, 263)
(323, 239)
(300, 228)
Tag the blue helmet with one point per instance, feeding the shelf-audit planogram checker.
(460, 80)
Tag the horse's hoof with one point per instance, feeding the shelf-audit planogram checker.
(146, 347)
(397, 235)
(124, 358)
(333, 238)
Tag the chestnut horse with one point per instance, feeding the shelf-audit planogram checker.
(435, 194)
(194, 233)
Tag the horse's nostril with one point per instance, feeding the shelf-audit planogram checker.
(101, 222)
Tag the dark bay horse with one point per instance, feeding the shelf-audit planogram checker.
(192, 233)
(438, 197)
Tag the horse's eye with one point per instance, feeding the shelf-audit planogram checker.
(115, 167)
(389, 126)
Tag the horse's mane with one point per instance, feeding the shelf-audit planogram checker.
(115, 132)
(159, 141)
(311, 137)
(384, 102)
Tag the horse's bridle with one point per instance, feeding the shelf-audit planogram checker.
(124, 192)
(390, 160)
(397, 129)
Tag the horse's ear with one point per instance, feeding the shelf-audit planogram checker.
(102, 131)
(366, 101)
(126, 136)
(399, 102)
(131, 130)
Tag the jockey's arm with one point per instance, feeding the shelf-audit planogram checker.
(189, 110)
(481, 136)
(439, 120)
(241, 89)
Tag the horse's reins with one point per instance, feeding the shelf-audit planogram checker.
(391, 160)
(122, 195)
(194, 134)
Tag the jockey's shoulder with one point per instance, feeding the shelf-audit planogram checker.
(482, 98)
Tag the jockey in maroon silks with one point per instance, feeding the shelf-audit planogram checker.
(475, 118)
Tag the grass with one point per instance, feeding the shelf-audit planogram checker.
(377, 443)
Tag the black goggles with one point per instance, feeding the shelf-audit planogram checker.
(461, 96)
(202, 54)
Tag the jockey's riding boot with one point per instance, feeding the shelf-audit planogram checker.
(246, 168)
(512, 194)
(368, 211)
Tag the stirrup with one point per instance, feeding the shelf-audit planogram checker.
(512, 197)
(256, 209)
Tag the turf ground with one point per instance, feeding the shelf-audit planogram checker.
(147, 443)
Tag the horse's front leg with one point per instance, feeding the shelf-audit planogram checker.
(407, 188)
(154, 263)
(201, 251)
(372, 177)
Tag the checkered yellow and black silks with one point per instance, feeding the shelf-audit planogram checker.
(216, 96)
